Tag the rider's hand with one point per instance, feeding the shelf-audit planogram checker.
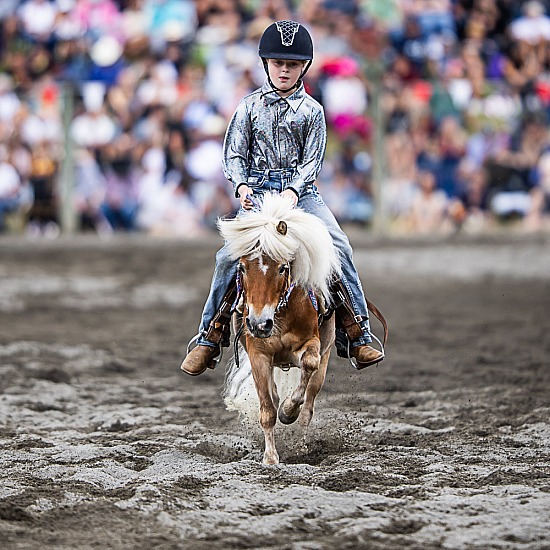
(244, 191)
(291, 195)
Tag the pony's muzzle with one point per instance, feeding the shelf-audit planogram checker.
(261, 328)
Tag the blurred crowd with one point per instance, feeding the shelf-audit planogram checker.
(437, 110)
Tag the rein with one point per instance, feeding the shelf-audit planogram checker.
(285, 295)
(239, 287)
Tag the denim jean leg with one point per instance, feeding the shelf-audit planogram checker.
(313, 203)
(224, 274)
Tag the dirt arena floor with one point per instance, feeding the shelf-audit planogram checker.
(106, 444)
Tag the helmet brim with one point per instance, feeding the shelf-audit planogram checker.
(283, 55)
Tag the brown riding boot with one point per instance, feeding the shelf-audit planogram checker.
(199, 359)
(366, 356)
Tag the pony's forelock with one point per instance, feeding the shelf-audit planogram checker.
(307, 243)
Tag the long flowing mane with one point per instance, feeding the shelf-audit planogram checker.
(307, 244)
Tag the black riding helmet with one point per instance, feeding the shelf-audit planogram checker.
(286, 40)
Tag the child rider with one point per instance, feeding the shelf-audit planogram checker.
(276, 142)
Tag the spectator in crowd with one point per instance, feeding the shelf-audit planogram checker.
(10, 188)
(532, 29)
(151, 189)
(121, 201)
(66, 27)
(451, 145)
(538, 216)
(105, 60)
(346, 181)
(44, 168)
(470, 210)
(209, 190)
(428, 215)
(510, 183)
(10, 104)
(97, 17)
(89, 193)
(169, 19)
(402, 149)
(93, 127)
(37, 19)
(345, 98)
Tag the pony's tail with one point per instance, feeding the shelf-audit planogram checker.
(239, 393)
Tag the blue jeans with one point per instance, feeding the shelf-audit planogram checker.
(310, 201)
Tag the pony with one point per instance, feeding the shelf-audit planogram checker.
(286, 262)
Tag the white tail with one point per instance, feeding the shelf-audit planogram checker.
(239, 392)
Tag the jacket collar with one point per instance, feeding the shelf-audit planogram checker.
(294, 100)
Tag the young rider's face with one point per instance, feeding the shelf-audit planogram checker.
(284, 73)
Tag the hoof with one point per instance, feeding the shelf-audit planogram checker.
(271, 459)
(285, 418)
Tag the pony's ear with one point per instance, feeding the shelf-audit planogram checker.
(282, 228)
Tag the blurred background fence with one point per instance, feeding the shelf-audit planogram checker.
(112, 113)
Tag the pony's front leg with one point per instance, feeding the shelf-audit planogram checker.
(262, 372)
(327, 334)
(314, 387)
(309, 361)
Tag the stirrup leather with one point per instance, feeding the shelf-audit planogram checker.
(345, 316)
(219, 330)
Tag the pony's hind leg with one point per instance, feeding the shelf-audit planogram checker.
(290, 407)
(263, 380)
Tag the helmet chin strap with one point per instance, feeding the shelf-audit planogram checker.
(296, 85)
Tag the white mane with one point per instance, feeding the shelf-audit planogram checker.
(307, 245)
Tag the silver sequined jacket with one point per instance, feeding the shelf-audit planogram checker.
(268, 132)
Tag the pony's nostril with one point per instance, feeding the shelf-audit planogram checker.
(267, 326)
(260, 330)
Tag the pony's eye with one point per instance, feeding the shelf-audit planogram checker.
(283, 269)
(240, 268)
